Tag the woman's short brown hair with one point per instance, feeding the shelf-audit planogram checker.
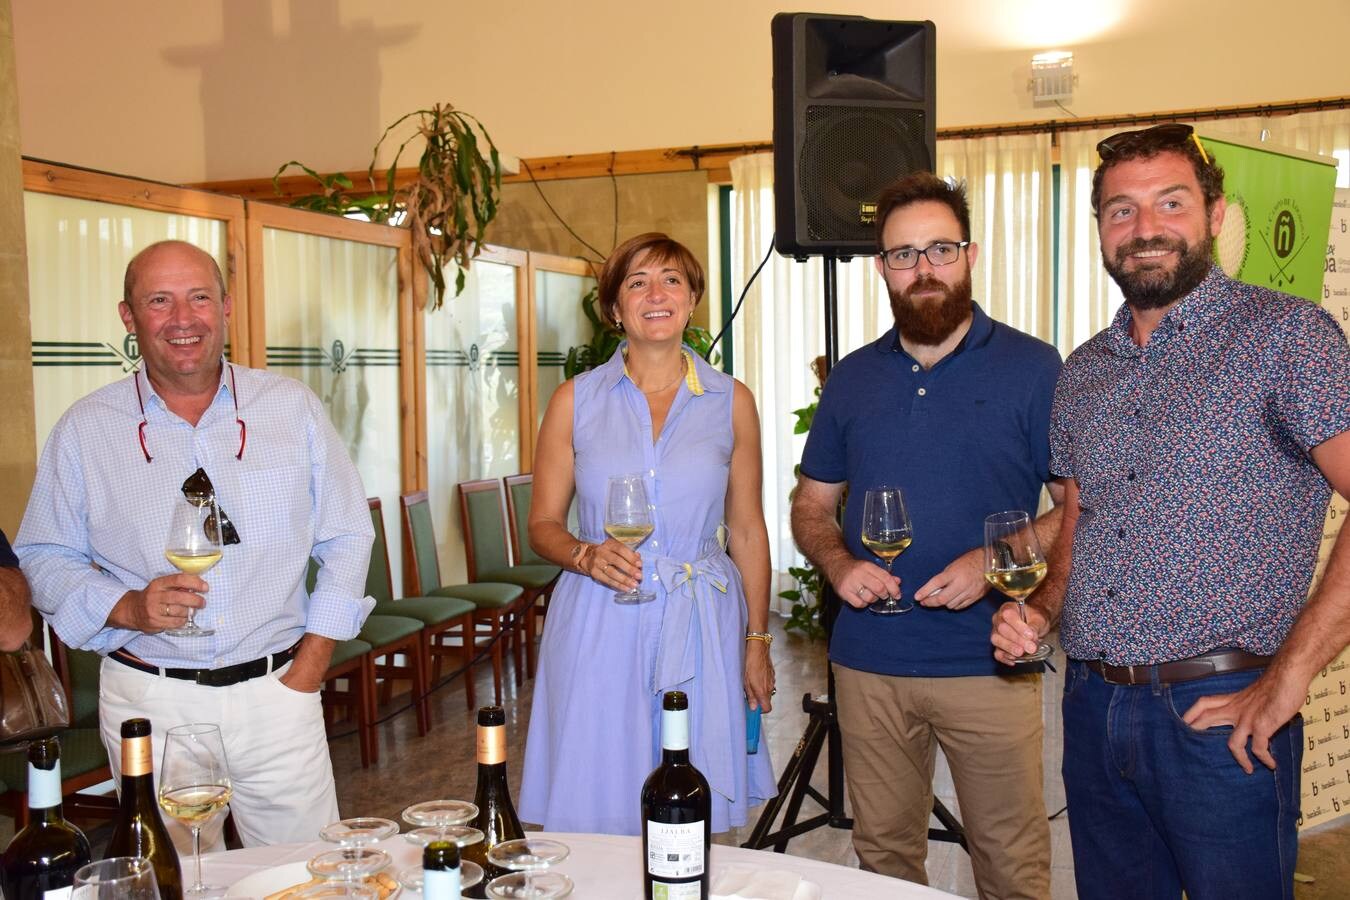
(661, 248)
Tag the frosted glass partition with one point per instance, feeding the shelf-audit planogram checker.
(78, 252)
(473, 399)
(560, 324)
(332, 323)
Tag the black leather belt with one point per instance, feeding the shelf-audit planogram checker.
(1215, 662)
(222, 677)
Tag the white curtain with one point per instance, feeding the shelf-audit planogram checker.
(1010, 185)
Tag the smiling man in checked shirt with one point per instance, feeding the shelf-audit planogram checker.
(1201, 434)
(92, 546)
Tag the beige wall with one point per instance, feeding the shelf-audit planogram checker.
(676, 204)
(216, 89)
(17, 456)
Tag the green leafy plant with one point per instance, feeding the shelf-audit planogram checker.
(605, 339)
(808, 596)
(447, 206)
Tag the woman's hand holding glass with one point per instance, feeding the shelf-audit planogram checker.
(612, 564)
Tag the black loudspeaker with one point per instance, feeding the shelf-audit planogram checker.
(853, 109)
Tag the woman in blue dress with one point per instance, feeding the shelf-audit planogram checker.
(659, 410)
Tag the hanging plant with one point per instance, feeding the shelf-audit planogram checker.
(447, 206)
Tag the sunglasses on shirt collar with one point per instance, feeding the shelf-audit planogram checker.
(199, 491)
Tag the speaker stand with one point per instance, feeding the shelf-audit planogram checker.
(822, 727)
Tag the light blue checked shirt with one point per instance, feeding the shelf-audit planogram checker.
(295, 494)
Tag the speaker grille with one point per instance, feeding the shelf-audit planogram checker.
(849, 155)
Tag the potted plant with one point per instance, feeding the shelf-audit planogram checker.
(447, 203)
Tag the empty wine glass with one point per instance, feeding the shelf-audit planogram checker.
(194, 785)
(116, 878)
(193, 546)
(528, 858)
(628, 519)
(355, 859)
(886, 531)
(1014, 563)
(442, 820)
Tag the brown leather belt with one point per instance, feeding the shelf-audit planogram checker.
(222, 677)
(1215, 662)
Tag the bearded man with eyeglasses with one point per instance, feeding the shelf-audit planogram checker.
(1201, 434)
(953, 408)
(186, 427)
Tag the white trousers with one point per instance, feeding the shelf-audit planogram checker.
(274, 740)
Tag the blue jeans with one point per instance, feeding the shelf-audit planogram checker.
(1156, 807)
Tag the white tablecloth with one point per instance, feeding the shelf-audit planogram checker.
(604, 867)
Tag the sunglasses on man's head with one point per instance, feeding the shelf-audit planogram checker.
(199, 491)
(1173, 134)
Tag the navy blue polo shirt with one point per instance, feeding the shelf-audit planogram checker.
(964, 439)
(7, 558)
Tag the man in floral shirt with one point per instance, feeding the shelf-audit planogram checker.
(1201, 435)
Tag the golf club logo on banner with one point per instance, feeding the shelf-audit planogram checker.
(1284, 237)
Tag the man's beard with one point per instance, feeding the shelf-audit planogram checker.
(1152, 286)
(930, 321)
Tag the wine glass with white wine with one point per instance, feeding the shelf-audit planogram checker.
(194, 785)
(1014, 564)
(628, 519)
(194, 547)
(886, 531)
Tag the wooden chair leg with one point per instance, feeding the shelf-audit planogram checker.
(531, 624)
(468, 645)
(495, 635)
(366, 713)
(420, 687)
(518, 641)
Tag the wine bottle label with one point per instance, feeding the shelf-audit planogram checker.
(136, 756)
(674, 851)
(675, 729)
(443, 884)
(688, 891)
(63, 893)
(44, 787)
(491, 745)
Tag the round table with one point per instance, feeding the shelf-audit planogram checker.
(603, 866)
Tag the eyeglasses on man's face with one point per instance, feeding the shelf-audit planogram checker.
(938, 253)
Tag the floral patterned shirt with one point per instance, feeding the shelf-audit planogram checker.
(1202, 510)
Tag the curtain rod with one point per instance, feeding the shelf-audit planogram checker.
(1054, 126)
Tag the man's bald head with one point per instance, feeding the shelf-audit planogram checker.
(146, 254)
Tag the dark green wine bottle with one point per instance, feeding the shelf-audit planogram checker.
(676, 813)
(41, 860)
(440, 871)
(496, 813)
(139, 829)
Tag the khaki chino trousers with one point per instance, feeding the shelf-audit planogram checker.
(989, 728)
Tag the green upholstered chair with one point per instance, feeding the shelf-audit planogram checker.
(353, 663)
(495, 604)
(487, 551)
(390, 635)
(445, 618)
(519, 492)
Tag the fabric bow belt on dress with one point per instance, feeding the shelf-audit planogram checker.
(690, 631)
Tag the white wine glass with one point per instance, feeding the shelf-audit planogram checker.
(116, 878)
(628, 519)
(193, 547)
(886, 532)
(528, 858)
(194, 785)
(1014, 564)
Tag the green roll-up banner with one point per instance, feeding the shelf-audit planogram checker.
(1279, 210)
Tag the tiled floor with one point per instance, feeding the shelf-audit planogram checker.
(441, 764)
